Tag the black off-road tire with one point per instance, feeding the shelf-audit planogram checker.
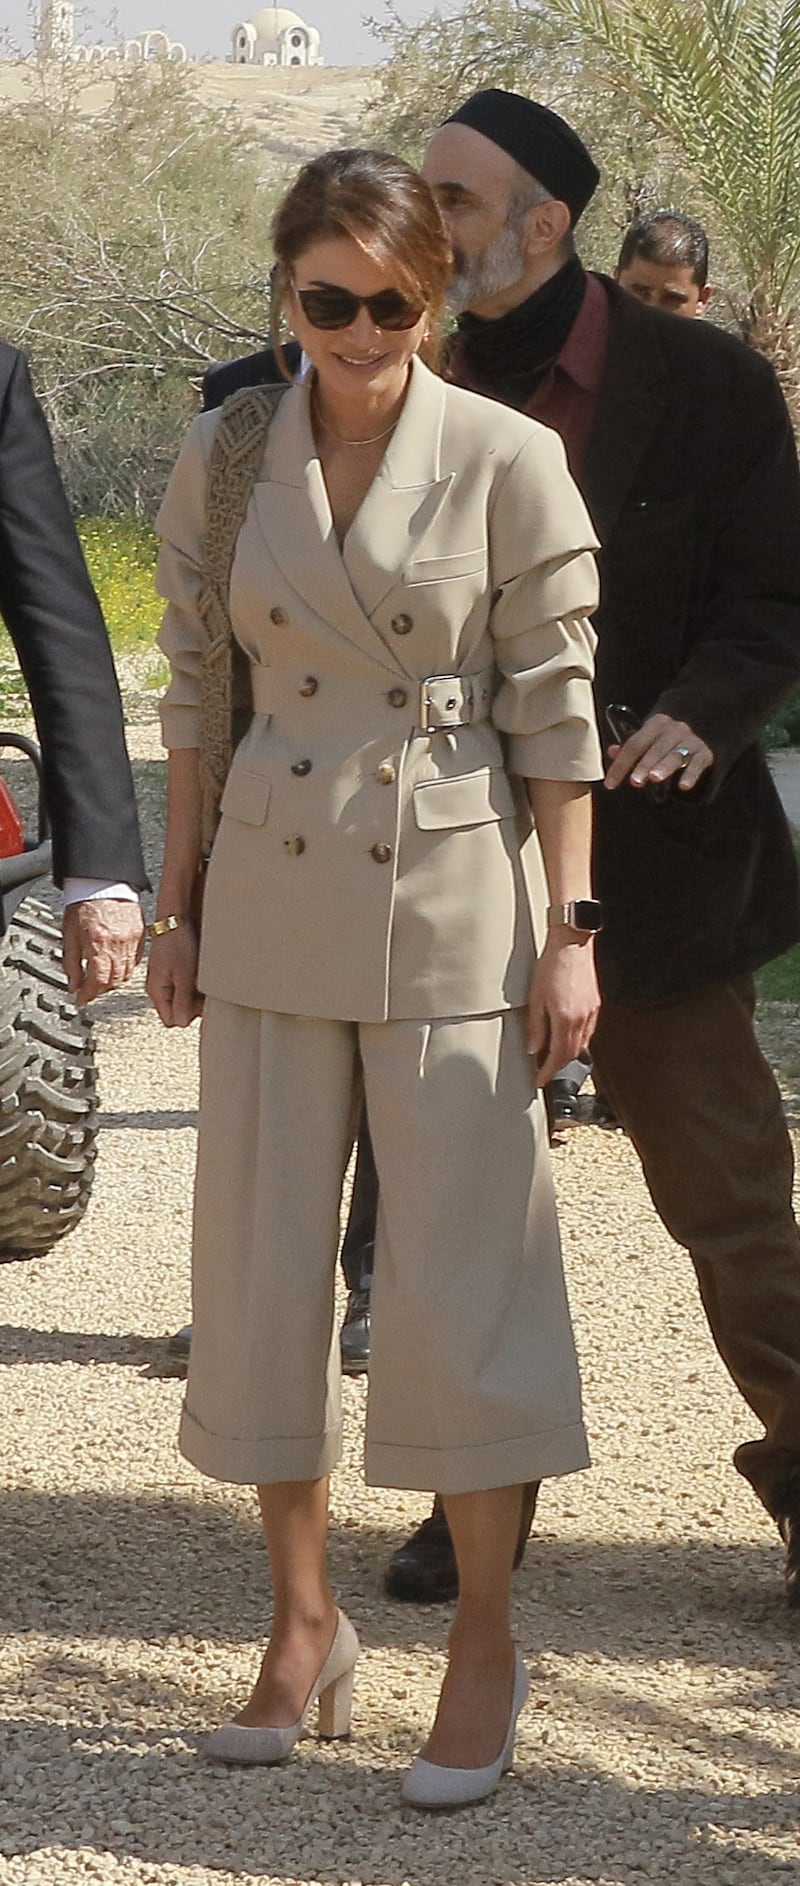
(48, 1090)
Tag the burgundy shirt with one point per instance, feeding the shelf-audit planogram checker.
(566, 399)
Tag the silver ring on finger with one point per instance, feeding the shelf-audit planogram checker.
(684, 754)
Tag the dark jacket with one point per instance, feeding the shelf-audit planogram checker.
(51, 611)
(261, 369)
(691, 477)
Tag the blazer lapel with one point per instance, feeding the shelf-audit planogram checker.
(633, 395)
(346, 586)
(405, 497)
(295, 518)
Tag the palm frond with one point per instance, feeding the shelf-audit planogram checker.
(721, 80)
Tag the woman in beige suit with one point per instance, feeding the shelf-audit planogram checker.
(411, 586)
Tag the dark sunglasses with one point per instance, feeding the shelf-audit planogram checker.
(336, 307)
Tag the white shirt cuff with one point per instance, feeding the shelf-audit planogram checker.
(82, 890)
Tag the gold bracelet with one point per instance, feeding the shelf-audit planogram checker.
(163, 924)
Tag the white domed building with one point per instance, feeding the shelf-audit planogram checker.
(275, 36)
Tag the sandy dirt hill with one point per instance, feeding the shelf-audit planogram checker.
(291, 113)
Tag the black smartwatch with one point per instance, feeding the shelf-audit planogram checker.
(582, 913)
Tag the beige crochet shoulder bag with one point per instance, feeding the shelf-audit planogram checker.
(225, 694)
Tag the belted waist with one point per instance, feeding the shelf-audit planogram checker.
(438, 701)
(455, 700)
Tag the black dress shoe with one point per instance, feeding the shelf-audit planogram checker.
(423, 1569)
(789, 1528)
(354, 1337)
(564, 1099)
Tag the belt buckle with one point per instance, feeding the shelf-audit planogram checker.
(427, 706)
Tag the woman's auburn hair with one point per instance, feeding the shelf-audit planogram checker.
(384, 205)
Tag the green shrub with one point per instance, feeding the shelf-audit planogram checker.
(134, 250)
(121, 555)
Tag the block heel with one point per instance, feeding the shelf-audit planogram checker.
(336, 1707)
(237, 1743)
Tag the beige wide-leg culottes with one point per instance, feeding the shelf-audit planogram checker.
(473, 1378)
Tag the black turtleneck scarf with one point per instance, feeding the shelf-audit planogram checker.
(510, 356)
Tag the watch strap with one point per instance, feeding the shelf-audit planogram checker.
(581, 913)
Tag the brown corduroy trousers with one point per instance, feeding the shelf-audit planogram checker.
(691, 1087)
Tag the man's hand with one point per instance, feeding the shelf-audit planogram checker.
(102, 943)
(172, 977)
(564, 1003)
(660, 748)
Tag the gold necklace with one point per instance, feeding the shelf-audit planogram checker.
(377, 436)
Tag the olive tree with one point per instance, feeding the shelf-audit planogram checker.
(134, 249)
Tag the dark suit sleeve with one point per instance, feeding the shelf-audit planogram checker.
(746, 655)
(50, 608)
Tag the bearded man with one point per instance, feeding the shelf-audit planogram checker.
(680, 441)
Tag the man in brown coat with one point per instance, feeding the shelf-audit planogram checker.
(681, 443)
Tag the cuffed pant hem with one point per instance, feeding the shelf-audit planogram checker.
(476, 1469)
(258, 1462)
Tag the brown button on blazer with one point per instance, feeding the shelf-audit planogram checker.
(387, 879)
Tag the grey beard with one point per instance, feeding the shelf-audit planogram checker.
(499, 267)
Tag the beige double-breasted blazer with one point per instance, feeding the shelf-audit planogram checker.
(369, 862)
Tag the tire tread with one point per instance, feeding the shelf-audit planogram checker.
(48, 1090)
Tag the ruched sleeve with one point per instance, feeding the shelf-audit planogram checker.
(181, 524)
(546, 586)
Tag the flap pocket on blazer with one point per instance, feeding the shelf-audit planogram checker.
(439, 569)
(473, 799)
(246, 797)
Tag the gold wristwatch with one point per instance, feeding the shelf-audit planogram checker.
(161, 925)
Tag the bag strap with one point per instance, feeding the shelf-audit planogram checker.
(233, 467)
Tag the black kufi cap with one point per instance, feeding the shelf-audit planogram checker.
(539, 140)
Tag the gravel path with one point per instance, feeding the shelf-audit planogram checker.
(662, 1739)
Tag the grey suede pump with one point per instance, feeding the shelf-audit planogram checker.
(235, 1742)
(428, 1785)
